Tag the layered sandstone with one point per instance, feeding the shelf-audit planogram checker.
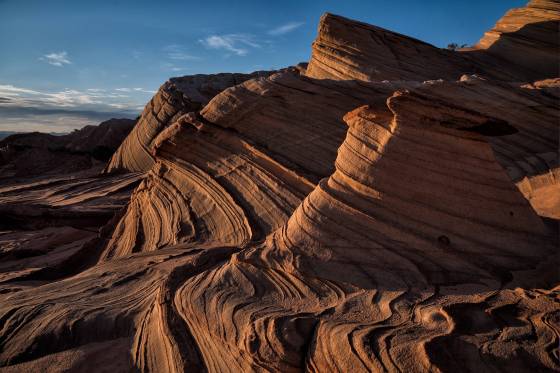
(528, 37)
(346, 49)
(396, 232)
(174, 98)
(379, 210)
(254, 152)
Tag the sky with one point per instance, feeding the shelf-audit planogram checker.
(66, 64)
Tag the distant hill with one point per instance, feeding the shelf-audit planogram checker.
(4, 134)
(35, 153)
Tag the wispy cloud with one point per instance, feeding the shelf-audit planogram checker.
(10, 90)
(238, 44)
(118, 106)
(24, 109)
(134, 90)
(168, 66)
(178, 52)
(56, 59)
(72, 99)
(286, 28)
(143, 90)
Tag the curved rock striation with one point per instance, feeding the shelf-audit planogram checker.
(530, 153)
(373, 268)
(174, 98)
(234, 173)
(522, 46)
(365, 213)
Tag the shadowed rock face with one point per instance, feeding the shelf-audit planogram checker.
(32, 154)
(528, 37)
(375, 211)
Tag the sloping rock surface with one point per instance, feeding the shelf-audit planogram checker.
(174, 98)
(378, 210)
(528, 37)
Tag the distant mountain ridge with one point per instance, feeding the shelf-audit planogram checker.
(36, 153)
(4, 134)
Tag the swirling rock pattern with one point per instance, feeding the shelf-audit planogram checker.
(235, 172)
(353, 215)
(371, 244)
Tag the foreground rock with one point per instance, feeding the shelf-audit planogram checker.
(358, 215)
(387, 263)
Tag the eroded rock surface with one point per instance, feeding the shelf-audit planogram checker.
(375, 261)
(378, 210)
(174, 98)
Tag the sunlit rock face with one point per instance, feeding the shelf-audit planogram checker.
(174, 98)
(386, 207)
(527, 37)
(346, 49)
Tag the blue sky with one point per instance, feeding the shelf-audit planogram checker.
(66, 64)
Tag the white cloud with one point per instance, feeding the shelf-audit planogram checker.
(10, 90)
(56, 59)
(118, 106)
(71, 98)
(284, 29)
(133, 90)
(144, 90)
(90, 99)
(177, 52)
(172, 67)
(238, 44)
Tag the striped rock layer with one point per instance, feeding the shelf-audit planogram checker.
(173, 99)
(380, 210)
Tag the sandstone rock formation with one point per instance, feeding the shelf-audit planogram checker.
(380, 209)
(346, 50)
(174, 98)
(528, 37)
(332, 287)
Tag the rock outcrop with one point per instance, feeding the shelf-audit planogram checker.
(33, 154)
(396, 233)
(174, 98)
(379, 209)
(350, 50)
(528, 37)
